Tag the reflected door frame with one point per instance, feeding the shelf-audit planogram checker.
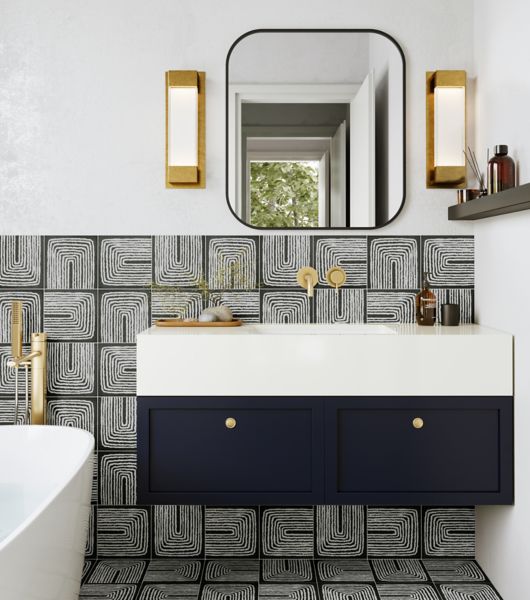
(239, 93)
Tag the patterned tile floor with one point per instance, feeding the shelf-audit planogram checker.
(282, 579)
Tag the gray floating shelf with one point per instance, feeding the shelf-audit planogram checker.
(509, 201)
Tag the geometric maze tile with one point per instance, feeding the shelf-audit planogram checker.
(285, 307)
(72, 412)
(390, 307)
(407, 591)
(455, 570)
(463, 297)
(231, 531)
(20, 261)
(125, 261)
(282, 257)
(393, 532)
(344, 306)
(350, 253)
(286, 570)
(232, 570)
(169, 591)
(287, 531)
(112, 591)
(244, 305)
(118, 571)
(70, 316)
(399, 570)
(70, 263)
(177, 531)
(31, 313)
(117, 478)
(71, 369)
(449, 261)
(176, 304)
(117, 370)
(288, 591)
(123, 531)
(178, 260)
(340, 530)
(173, 570)
(449, 532)
(393, 263)
(229, 591)
(349, 591)
(90, 545)
(117, 422)
(468, 591)
(123, 315)
(232, 263)
(344, 570)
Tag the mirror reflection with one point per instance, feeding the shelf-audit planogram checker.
(315, 129)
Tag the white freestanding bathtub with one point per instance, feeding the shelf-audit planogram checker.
(45, 486)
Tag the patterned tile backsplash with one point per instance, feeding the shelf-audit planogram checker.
(93, 294)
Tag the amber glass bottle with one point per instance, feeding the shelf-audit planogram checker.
(501, 170)
(425, 304)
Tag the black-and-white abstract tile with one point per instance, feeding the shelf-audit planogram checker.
(282, 256)
(399, 570)
(71, 263)
(288, 591)
(468, 591)
(117, 422)
(441, 570)
(350, 253)
(71, 368)
(171, 304)
(232, 570)
(177, 531)
(341, 569)
(449, 261)
(123, 532)
(285, 306)
(31, 313)
(123, 315)
(117, 370)
(169, 591)
(117, 478)
(348, 591)
(244, 305)
(125, 261)
(390, 307)
(70, 316)
(449, 532)
(166, 570)
(461, 296)
(287, 532)
(394, 263)
(72, 412)
(118, 571)
(340, 531)
(407, 591)
(231, 531)
(232, 263)
(178, 260)
(393, 532)
(109, 591)
(20, 261)
(342, 306)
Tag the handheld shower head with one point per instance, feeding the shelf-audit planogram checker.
(16, 329)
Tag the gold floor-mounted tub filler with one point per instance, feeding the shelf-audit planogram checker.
(34, 364)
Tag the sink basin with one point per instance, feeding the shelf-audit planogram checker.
(319, 329)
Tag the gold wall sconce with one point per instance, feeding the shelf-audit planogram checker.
(446, 129)
(185, 129)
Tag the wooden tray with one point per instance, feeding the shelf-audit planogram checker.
(181, 323)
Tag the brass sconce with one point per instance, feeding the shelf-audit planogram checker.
(446, 129)
(185, 129)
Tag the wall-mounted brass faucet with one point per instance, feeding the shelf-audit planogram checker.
(307, 277)
(36, 360)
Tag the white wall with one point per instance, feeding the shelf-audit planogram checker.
(82, 105)
(502, 248)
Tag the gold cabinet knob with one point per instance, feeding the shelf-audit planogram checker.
(230, 423)
(417, 423)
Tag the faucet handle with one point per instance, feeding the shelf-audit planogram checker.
(16, 328)
(336, 277)
(307, 277)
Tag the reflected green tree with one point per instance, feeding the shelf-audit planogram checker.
(284, 194)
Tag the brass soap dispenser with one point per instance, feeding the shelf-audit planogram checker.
(425, 304)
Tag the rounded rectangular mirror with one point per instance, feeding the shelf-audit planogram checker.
(315, 129)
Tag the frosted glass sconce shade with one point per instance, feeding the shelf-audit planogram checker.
(185, 129)
(446, 129)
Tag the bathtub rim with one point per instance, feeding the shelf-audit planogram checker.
(86, 453)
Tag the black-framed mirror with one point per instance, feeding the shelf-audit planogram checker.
(315, 128)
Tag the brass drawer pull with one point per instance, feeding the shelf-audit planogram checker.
(230, 423)
(417, 423)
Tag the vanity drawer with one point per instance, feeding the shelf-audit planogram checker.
(460, 452)
(188, 453)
